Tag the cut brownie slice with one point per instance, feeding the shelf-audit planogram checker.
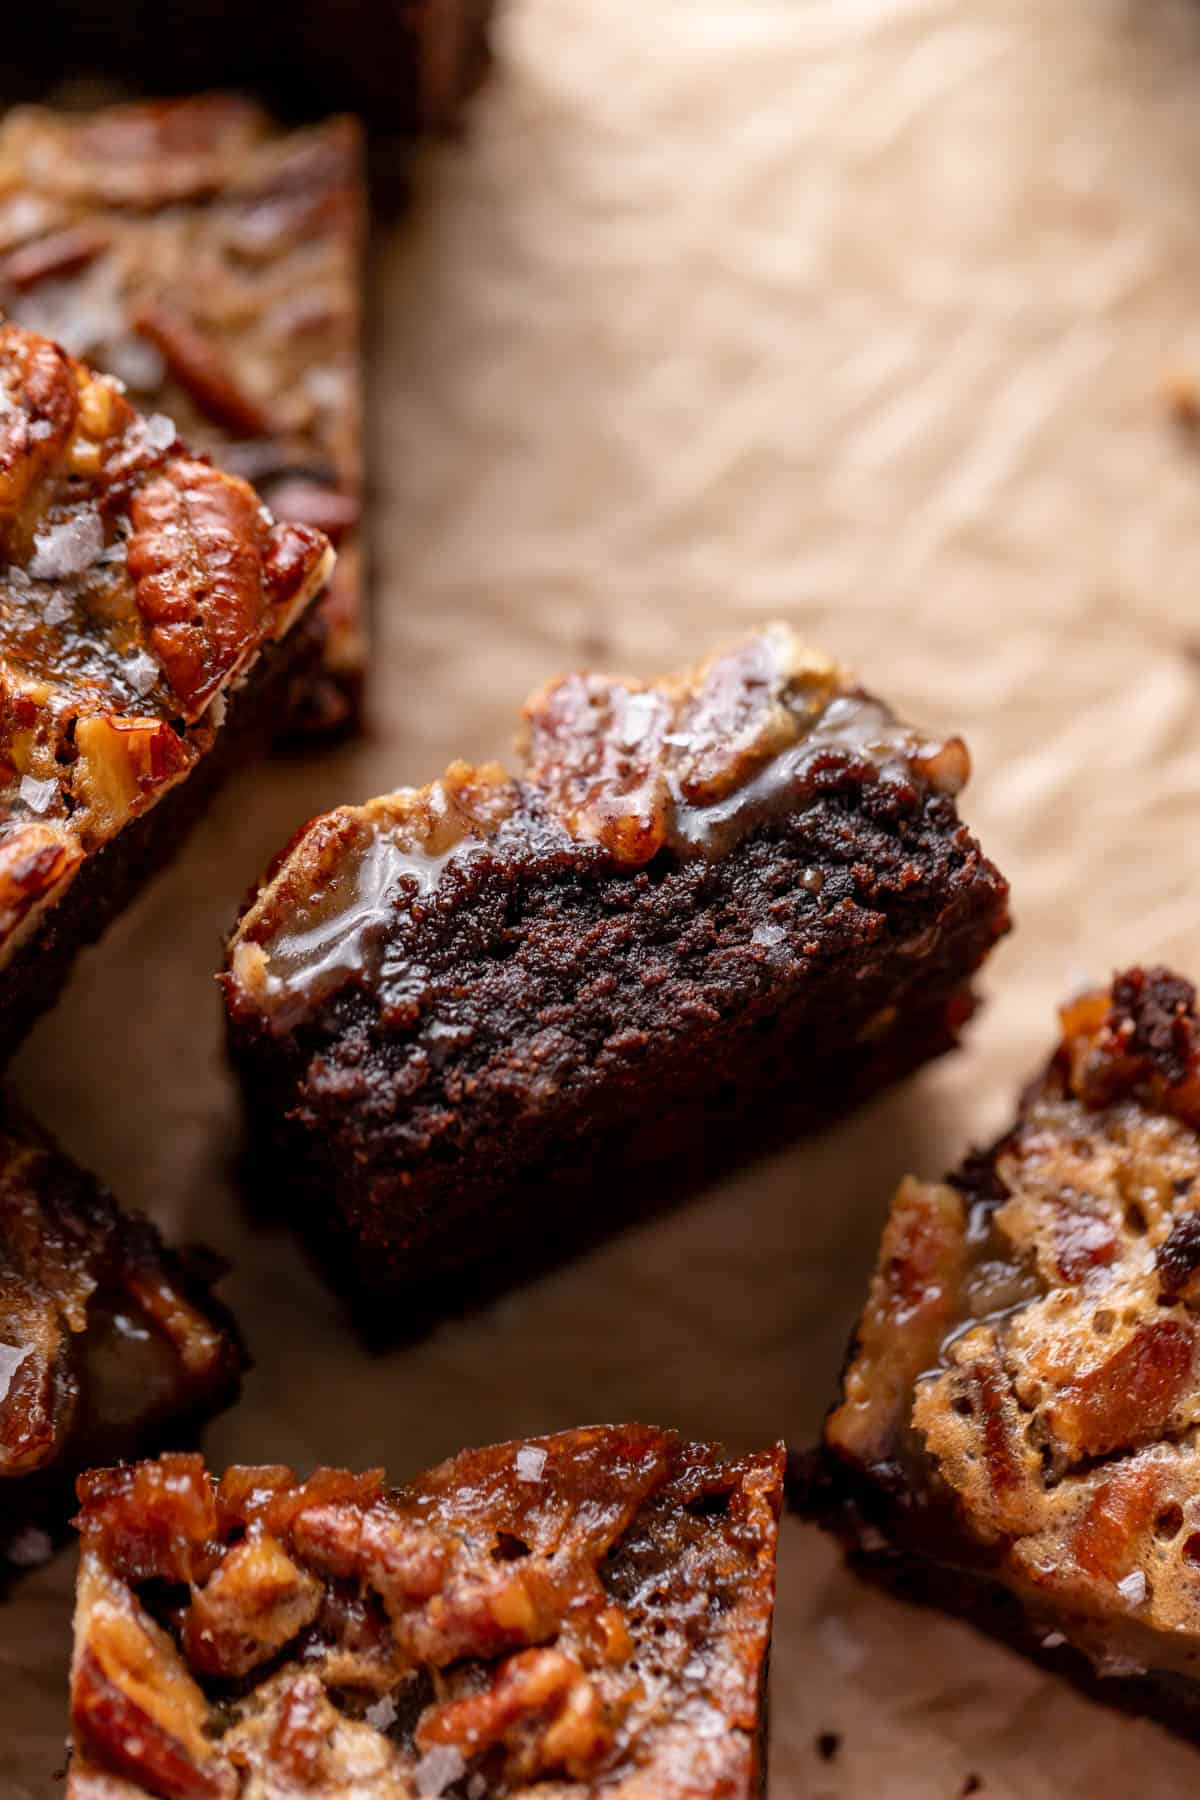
(708, 910)
(212, 263)
(1017, 1431)
(150, 624)
(109, 1345)
(581, 1614)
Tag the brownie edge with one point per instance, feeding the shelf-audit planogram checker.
(480, 1023)
(1016, 1435)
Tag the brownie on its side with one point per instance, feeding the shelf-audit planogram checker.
(213, 264)
(469, 1019)
(109, 1345)
(581, 1614)
(1016, 1433)
(152, 617)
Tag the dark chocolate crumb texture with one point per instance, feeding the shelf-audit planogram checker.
(148, 605)
(586, 1614)
(1016, 1433)
(109, 1345)
(212, 263)
(708, 909)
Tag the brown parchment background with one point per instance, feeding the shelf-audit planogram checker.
(849, 311)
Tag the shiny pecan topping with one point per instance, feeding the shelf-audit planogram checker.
(200, 367)
(133, 1704)
(500, 1602)
(196, 557)
(41, 403)
(36, 862)
(123, 765)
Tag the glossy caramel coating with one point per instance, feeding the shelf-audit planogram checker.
(138, 585)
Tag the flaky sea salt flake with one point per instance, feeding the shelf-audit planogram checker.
(382, 1713)
(36, 794)
(68, 548)
(1132, 1588)
(530, 1463)
(437, 1770)
(142, 672)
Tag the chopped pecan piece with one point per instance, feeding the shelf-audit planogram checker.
(596, 748)
(59, 253)
(1129, 1399)
(40, 396)
(198, 365)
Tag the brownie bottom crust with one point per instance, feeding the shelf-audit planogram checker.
(684, 1030)
(32, 980)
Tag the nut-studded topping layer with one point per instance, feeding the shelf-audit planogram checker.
(624, 770)
(580, 1609)
(211, 263)
(692, 762)
(136, 583)
(139, 156)
(1034, 1335)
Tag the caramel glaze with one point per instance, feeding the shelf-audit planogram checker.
(618, 772)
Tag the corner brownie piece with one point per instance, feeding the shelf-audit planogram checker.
(151, 619)
(707, 910)
(581, 1614)
(109, 1344)
(1016, 1434)
(213, 264)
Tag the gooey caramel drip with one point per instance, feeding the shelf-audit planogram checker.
(689, 765)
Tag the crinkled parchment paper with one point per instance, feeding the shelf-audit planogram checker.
(850, 311)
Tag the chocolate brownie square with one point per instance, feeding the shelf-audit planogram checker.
(479, 1020)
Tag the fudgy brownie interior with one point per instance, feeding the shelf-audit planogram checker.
(707, 910)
